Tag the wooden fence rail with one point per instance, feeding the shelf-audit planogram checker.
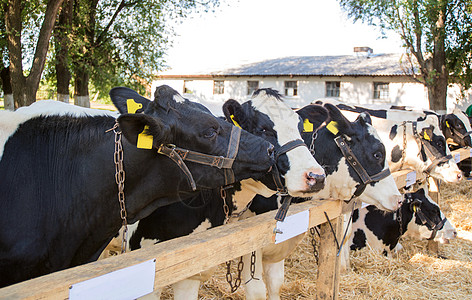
(179, 258)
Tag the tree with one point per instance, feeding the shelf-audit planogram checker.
(5, 81)
(114, 42)
(436, 35)
(18, 13)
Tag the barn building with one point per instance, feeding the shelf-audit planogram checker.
(360, 78)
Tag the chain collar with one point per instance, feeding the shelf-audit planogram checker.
(120, 181)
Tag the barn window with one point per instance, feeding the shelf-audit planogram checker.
(252, 86)
(218, 87)
(188, 88)
(332, 88)
(381, 90)
(291, 88)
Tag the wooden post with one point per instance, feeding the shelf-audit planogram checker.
(327, 283)
(433, 192)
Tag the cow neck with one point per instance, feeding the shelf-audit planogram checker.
(178, 155)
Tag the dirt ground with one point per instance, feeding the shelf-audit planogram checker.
(413, 274)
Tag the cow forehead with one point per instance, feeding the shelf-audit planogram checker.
(371, 130)
(285, 119)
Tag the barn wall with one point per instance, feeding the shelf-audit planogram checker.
(355, 90)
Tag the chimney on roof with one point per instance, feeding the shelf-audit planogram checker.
(363, 50)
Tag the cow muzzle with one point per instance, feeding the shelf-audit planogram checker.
(315, 182)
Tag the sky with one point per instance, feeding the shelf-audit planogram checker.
(245, 31)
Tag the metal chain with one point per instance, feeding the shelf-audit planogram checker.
(312, 145)
(229, 277)
(313, 243)
(120, 181)
(225, 205)
(404, 146)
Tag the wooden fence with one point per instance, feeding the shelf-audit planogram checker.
(183, 257)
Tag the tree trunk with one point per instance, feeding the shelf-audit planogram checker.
(61, 32)
(25, 88)
(5, 79)
(81, 92)
(438, 91)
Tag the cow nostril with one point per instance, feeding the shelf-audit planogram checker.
(459, 176)
(315, 177)
(270, 151)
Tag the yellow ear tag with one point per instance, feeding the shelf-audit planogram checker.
(447, 124)
(133, 106)
(234, 121)
(415, 208)
(426, 136)
(332, 127)
(144, 140)
(307, 126)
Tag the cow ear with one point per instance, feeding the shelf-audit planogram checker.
(166, 97)
(313, 116)
(427, 133)
(143, 131)
(364, 118)
(128, 101)
(234, 112)
(342, 124)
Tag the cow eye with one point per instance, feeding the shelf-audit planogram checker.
(378, 155)
(210, 133)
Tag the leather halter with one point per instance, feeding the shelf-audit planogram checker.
(435, 227)
(431, 152)
(459, 134)
(357, 166)
(281, 188)
(178, 155)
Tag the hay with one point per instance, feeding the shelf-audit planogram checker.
(413, 274)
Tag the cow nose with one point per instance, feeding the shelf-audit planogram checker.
(398, 199)
(455, 234)
(459, 176)
(315, 181)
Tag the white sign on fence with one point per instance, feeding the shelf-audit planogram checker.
(410, 178)
(292, 226)
(127, 283)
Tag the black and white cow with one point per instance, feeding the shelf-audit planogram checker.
(455, 126)
(341, 183)
(418, 217)
(58, 195)
(267, 116)
(413, 140)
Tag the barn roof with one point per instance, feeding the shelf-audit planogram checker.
(341, 65)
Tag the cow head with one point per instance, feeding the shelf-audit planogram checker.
(171, 119)
(427, 220)
(342, 178)
(422, 148)
(266, 115)
(456, 128)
